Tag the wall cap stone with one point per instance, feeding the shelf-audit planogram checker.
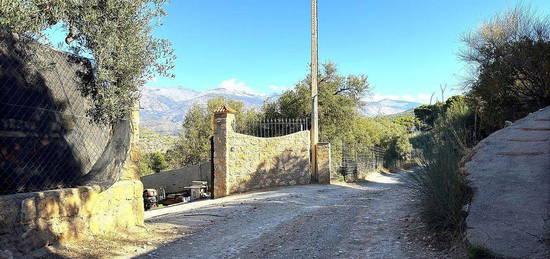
(224, 109)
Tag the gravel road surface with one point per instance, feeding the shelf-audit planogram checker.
(363, 220)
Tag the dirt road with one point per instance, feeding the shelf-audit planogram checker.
(365, 220)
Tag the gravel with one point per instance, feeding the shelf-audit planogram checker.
(371, 219)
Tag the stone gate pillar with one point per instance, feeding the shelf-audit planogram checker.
(223, 119)
(323, 162)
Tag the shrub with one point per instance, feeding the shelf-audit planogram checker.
(151, 163)
(440, 185)
(441, 189)
(509, 56)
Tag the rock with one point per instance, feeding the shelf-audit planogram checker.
(510, 175)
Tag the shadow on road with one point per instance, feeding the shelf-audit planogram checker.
(224, 227)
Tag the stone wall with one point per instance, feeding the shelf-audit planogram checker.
(29, 221)
(243, 162)
(174, 181)
(255, 162)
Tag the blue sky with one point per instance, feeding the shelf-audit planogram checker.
(407, 48)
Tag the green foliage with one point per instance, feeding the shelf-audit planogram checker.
(193, 144)
(457, 125)
(150, 141)
(441, 189)
(339, 101)
(145, 164)
(510, 57)
(440, 185)
(408, 121)
(115, 34)
(427, 114)
(151, 163)
(400, 147)
(158, 163)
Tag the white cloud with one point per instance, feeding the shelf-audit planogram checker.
(235, 85)
(419, 98)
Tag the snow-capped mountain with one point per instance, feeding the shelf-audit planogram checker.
(387, 107)
(163, 109)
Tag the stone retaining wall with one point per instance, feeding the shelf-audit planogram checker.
(29, 221)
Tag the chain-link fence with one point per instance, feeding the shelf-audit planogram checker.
(46, 139)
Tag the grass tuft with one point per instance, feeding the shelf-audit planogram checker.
(442, 190)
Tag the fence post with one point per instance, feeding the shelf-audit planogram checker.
(223, 119)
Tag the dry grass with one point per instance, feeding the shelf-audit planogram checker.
(120, 244)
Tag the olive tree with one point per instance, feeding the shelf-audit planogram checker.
(114, 34)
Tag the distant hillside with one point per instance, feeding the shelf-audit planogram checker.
(150, 141)
(388, 107)
(409, 112)
(163, 109)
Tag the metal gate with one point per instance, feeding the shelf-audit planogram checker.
(357, 159)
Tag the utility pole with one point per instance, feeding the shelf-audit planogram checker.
(314, 112)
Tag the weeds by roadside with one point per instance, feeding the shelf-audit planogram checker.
(440, 186)
(442, 190)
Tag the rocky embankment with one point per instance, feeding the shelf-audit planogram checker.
(510, 174)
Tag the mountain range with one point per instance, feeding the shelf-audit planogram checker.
(163, 109)
(387, 107)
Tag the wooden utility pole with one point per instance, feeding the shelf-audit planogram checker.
(314, 70)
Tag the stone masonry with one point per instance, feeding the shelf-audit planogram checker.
(323, 163)
(29, 221)
(243, 162)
